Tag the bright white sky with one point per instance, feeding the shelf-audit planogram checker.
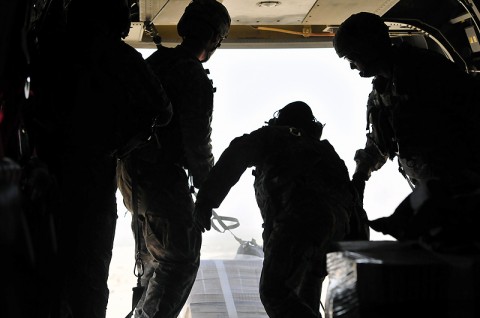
(251, 85)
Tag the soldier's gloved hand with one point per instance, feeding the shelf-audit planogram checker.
(202, 217)
(358, 180)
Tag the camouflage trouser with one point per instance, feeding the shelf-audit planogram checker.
(170, 252)
(292, 276)
(85, 219)
(88, 290)
(169, 243)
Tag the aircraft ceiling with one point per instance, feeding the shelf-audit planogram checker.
(261, 23)
(447, 25)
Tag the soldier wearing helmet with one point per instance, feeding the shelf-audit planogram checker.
(420, 110)
(95, 101)
(204, 25)
(363, 40)
(169, 245)
(304, 195)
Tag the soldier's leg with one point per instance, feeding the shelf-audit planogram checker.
(148, 264)
(284, 268)
(176, 248)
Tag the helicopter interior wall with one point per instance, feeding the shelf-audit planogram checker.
(419, 41)
(446, 20)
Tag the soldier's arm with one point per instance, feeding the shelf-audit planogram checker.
(195, 106)
(369, 159)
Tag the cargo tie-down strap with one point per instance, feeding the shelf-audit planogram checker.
(220, 219)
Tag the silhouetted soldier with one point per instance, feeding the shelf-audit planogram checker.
(155, 177)
(303, 190)
(421, 110)
(98, 101)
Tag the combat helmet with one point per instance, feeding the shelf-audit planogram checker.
(299, 115)
(111, 16)
(204, 12)
(362, 33)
